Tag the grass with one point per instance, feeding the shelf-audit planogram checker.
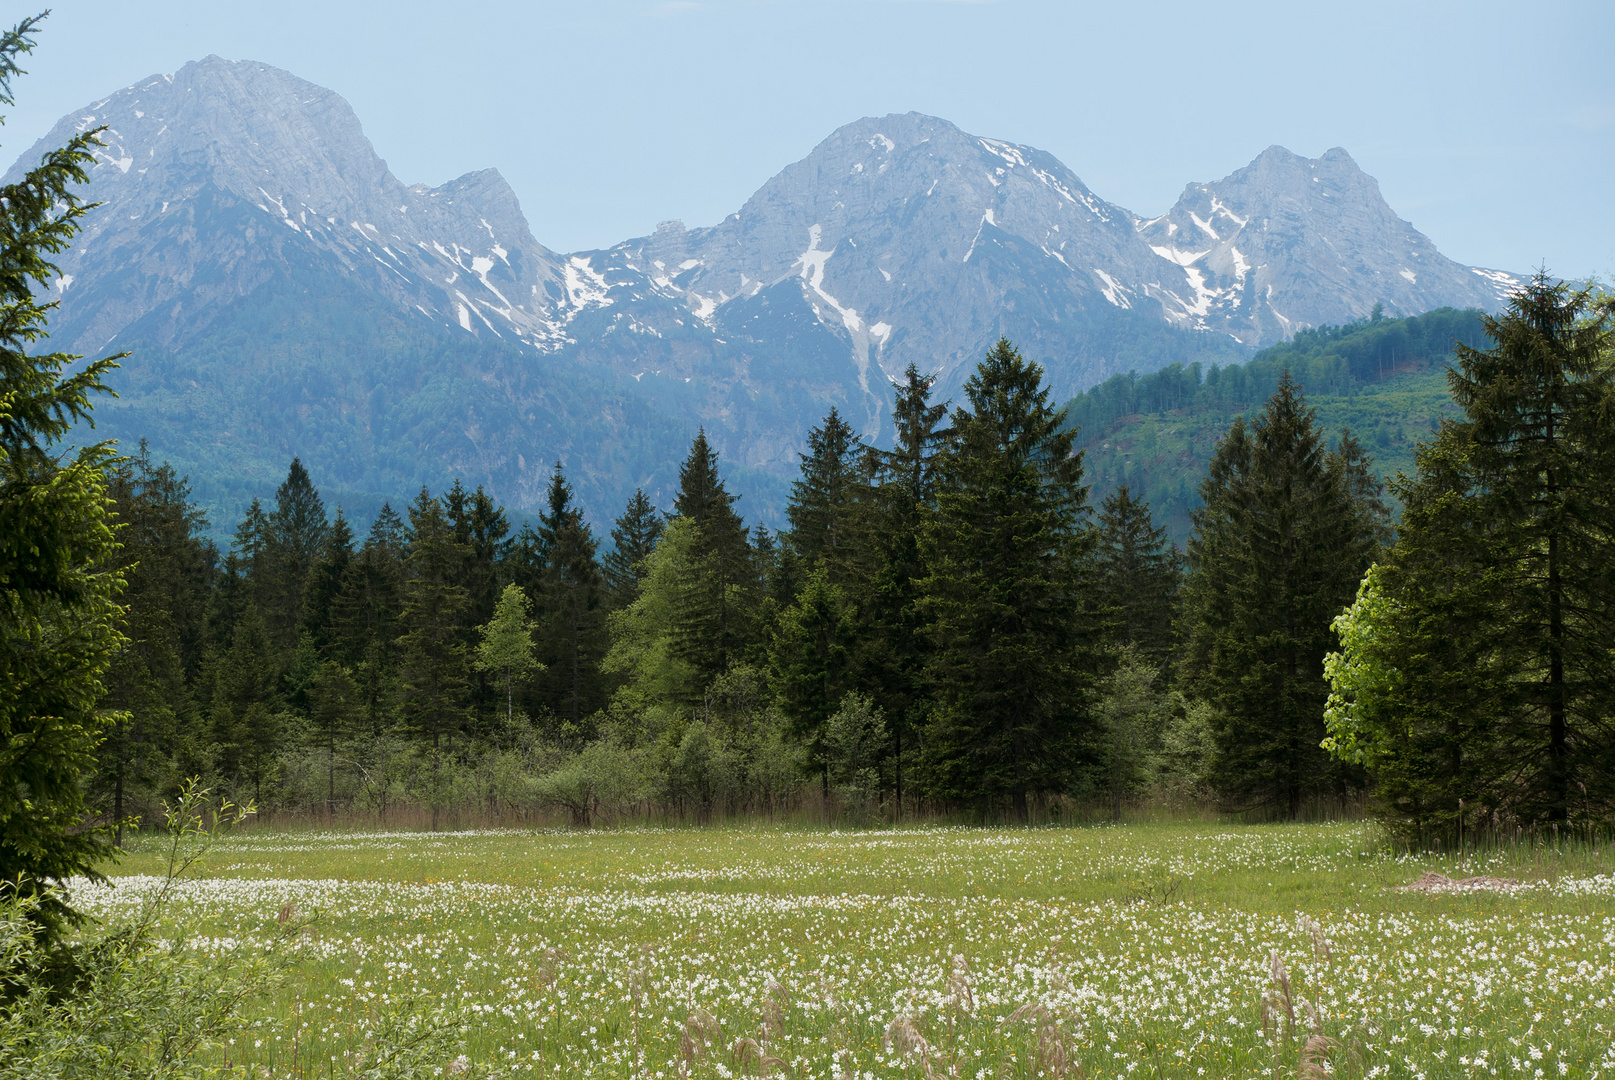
(1154, 949)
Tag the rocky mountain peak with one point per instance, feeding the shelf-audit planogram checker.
(225, 172)
(1289, 241)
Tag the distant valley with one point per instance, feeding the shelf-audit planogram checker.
(284, 294)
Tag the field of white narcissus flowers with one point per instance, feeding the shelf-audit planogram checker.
(1160, 951)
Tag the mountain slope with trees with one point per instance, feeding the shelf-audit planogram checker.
(1381, 378)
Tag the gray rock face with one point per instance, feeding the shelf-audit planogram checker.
(1289, 242)
(273, 275)
(218, 174)
(919, 243)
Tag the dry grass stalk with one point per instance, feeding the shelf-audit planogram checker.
(1313, 1062)
(775, 1001)
(701, 1034)
(1278, 1000)
(1054, 1053)
(549, 966)
(960, 993)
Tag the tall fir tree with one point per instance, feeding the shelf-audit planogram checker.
(633, 537)
(1475, 677)
(1138, 576)
(324, 583)
(812, 657)
(434, 663)
(246, 720)
(716, 612)
(296, 533)
(892, 655)
(168, 566)
(572, 609)
(1279, 547)
(821, 504)
(335, 715)
(59, 582)
(1007, 549)
(366, 618)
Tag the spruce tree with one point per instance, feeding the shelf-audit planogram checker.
(252, 557)
(296, 533)
(572, 610)
(1539, 425)
(324, 583)
(168, 567)
(365, 619)
(1279, 547)
(701, 491)
(434, 663)
(892, 655)
(1475, 676)
(820, 507)
(632, 539)
(812, 656)
(335, 715)
(715, 619)
(58, 579)
(1007, 549)
(246, 720)
(1138, 576)
(483, 532)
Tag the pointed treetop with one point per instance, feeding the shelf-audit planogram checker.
(701, 491)
(340, 537)
(387, 532)
(633, 538)
(298, 524)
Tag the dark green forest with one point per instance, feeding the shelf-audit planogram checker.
(953, 625)
(989, 619)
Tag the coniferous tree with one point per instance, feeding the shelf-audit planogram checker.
(821, 502)
(58, 581)
(295, 535)
(251, 558)
(1007, 549)
(1476, 671)
(632, 539)
(893, 652)
(572, 611)
(335, 714)
(812, 656)
(701, 491)
(434, 664)
(488, 537)
(1138, 576)
(246, 721)
(715, 617)
(167, 566)
(365, 619)
(1279, 547)
(324, 583)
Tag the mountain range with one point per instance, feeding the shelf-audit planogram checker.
(282, 293)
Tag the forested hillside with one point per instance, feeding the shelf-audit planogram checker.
(1384, 379)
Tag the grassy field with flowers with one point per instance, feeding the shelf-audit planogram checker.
(1160, 950)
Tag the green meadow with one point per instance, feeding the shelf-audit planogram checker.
(1195, 950)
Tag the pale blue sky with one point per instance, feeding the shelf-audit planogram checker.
(1490, 126)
